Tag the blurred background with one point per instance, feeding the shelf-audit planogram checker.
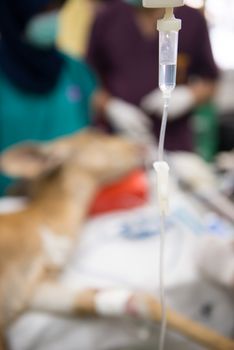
(68, 65)
(74, 37)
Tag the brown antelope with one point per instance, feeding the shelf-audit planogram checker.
(35, 243)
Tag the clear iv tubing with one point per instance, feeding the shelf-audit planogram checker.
(163, 130)
(162, 291)
(162, 233)
(168, 47)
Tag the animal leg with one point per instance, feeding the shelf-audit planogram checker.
(120, 303)
(55, 298)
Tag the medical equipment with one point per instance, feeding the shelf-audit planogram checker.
(168, 28)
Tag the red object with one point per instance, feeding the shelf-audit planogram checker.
(128, 193)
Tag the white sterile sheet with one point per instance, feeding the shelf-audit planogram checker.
(122, 250)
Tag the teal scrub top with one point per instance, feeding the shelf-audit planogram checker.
(64, 110)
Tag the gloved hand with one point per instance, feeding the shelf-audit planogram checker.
(128, 120)
(182, 100)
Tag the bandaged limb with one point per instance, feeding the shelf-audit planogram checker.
(121, 303)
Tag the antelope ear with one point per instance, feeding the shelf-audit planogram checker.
(28, 160)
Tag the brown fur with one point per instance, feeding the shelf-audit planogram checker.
(60, 200)
(64, 177)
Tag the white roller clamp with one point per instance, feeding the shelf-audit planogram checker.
(162, 170)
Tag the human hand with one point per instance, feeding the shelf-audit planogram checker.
(128, 120)
(182, 100)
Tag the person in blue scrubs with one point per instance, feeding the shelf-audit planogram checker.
(43, 94)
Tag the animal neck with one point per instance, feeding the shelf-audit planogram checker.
(64, 202)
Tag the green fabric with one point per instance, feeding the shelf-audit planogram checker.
(36, 117)
(206, 131)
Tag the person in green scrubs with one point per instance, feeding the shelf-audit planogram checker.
(43, 94)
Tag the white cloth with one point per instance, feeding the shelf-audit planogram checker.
(181, 102)
(129, 120)
(216, 260)
(122, 249)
